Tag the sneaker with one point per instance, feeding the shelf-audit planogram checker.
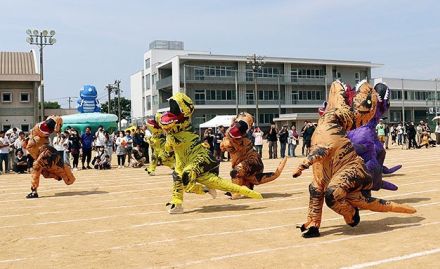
(32, 195)
(175, 209)
(88, 167)
(75, 169)
(119, 167)
(83, 168)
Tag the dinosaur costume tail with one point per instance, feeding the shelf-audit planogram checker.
(366, 201)
(391, 170)
(268, 177)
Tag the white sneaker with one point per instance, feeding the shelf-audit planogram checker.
(119, 166)
(213, 193)
(75, 169)
(175, 209)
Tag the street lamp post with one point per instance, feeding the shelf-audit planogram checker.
(41, 39)
(256, 63)
(435, 97)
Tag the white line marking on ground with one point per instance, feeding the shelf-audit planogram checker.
(14, 260)
(267, 250)
(394, 259)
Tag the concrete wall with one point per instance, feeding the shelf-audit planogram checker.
(136, 95)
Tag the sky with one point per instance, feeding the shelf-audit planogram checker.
(99, 41)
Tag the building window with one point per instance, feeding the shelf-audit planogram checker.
(155, 100)
(249, 97)
(25, 97)
(147, 81)
(264, 72)
(268, 95)
(6, 127)
(200, 97)
(308, 73)
(312, 95)
(357, 77)
(153, 79)
(220, 95)
(338, 75)
(148, 102)
(267, 118)
(199, 73)
(7, 97)
(147, 63)
(25, 127)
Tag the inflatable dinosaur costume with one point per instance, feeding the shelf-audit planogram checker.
(47, 162)
(367, 145)
(339, 174)
(157, 144)
(247, 166)
(194, 163)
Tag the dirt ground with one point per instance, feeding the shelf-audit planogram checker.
(117, 219)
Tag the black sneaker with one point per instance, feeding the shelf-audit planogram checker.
(32, 195)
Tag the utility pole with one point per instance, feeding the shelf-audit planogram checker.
(117, 82)
(70, 101)
(403, 106)
(109, 89)
(256, 63)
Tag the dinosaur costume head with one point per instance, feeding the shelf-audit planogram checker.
(50, 125)
(179, 116)
(383, 99)
(241, 124)
(364, 103)
(153, 125)
(340, 94)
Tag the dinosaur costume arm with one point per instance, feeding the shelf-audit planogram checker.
(317, 153)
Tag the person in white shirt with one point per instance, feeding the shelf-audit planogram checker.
(100, 137)
(4, 152)
(399, 130)
(258, 135)
(58, 144)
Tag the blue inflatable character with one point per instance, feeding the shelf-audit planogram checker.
(88, 103)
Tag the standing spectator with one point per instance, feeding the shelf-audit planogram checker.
(303, 129)
(283, 136)
(4, 152)
(307, 136)
(293, 141)
(145, 145)
(411, 131)
(139, 139)
(12, 137)
(129, 145)
(258, 138)
(208, 138)
(87, 144)
(58, 144)
(20, 163)
(399, 130)
(218, 139)
(437, 133)
(66, 146)
(387, 135)
(18, 144)
(121, 151)
(109, 144)
(419, 131)
(100, 138)
(272, 139)
(380, 131)
(74, 147)
(393, 134)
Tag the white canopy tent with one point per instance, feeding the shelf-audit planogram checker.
(215, 122)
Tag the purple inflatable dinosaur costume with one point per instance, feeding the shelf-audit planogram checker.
(368, 146)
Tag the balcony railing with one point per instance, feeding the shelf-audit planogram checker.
(164, 82)
(260, 102)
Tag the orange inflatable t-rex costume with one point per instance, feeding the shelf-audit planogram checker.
(340, 176)
(47, 162)
(247, 166)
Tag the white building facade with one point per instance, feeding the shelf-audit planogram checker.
(225, 84)
(420, 102)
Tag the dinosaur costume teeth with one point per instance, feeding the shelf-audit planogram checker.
(195, 166)
(247, 166)
(340, 177)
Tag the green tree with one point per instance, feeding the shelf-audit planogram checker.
(125, 107)
(50, 105)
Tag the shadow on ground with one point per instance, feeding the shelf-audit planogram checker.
(223, 208)
(75, 193)
(374, 226)
(411, 200)
(393, 175)
(278, 195)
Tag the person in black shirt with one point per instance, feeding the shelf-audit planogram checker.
(306, 125)
(272, 139)
(218, 139)
(307, 136)
(411, 131)
(283, 136)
